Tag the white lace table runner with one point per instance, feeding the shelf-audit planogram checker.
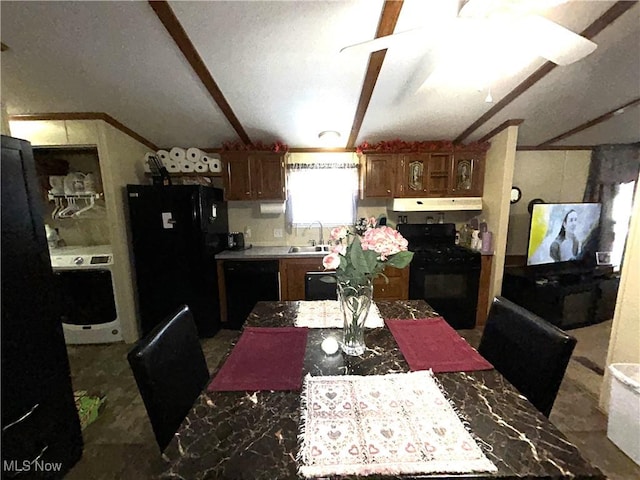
(383, 424)
(327, 314)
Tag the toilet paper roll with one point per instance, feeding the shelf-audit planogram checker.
(194, 154)
(178, 154)
(172, 167)
(215, 165)
(271, 208)
(200, 167)
(164, 156)
(186, 166)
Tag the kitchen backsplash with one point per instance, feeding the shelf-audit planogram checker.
(245, 217)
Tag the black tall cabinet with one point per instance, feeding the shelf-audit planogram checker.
(41, 436)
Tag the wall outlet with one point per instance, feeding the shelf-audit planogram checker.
(247, 232)
(277, 232)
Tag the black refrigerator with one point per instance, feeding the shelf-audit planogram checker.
(175, 233)
(39, 416)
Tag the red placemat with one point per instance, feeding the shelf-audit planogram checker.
(431, 343)
(264, 359)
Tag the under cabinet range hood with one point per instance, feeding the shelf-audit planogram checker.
(436, 204)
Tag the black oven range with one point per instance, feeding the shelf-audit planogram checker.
(444, 274)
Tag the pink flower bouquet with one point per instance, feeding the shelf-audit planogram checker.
(358, 259)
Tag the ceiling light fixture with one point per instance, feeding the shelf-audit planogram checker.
(329, 137)
(489, 98)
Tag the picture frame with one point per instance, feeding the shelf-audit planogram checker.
(603, 258)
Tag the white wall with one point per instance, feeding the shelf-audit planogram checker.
(624, 343)
(554, 176)
(5, 129)
(119, 154)
(498, 178)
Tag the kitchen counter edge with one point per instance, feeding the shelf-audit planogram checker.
(261, 253)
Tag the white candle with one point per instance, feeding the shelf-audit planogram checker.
(330, 346)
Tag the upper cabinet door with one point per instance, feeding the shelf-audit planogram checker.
(379, 175)
(411, 179)
(237, 179)
(438, 174)
(467, 174)
(268, 178)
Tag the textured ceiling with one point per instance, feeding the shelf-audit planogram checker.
(277, 65)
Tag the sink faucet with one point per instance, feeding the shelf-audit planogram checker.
(320, 239)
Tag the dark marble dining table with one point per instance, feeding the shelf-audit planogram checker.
(254, 435)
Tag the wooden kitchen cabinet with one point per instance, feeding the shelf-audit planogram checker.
(378, 175)
(292, 271)
(467, 174)
(396, 289)
(424, 175)
(254, 176)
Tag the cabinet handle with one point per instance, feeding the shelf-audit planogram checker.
(23, 417)
(247, 193)
(259, 192)
(388, 191)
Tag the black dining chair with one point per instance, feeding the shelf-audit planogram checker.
(320, 286)
(171, 371)
(527, 350)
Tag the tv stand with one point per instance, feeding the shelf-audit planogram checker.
(566, 297)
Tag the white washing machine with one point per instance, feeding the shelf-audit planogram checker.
(85, 285)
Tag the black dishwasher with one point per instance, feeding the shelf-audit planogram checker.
(248, 282)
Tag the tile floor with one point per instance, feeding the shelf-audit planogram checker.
(121, 445)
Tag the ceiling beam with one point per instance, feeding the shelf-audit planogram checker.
(514, 122)
(84, 116)
(606, 19)
(591, 123)
(180, 37)
(386, 25)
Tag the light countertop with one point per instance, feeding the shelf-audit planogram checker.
(261, 253)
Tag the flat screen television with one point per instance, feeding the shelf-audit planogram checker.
(563, 232)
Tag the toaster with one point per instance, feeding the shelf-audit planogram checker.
(236, 241)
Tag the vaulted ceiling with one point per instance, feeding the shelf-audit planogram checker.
(200, 73)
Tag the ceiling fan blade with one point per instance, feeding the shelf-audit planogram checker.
(555, 42)
(381, 43)
(416, 80)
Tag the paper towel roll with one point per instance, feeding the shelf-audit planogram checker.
(186, 166)
(486, 242)
(215, 165)
(164, 156)
(200, 167)
(194, 154)
(178, 154)
(172, 167)
(271, 208)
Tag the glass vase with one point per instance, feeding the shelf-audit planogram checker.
(355, 301)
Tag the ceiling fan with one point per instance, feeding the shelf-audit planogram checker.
(494, 24)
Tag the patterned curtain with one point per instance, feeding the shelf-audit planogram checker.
(611, 166)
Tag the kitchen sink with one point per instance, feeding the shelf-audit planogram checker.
(309, 249)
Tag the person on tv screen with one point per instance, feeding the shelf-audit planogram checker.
(566, 246)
